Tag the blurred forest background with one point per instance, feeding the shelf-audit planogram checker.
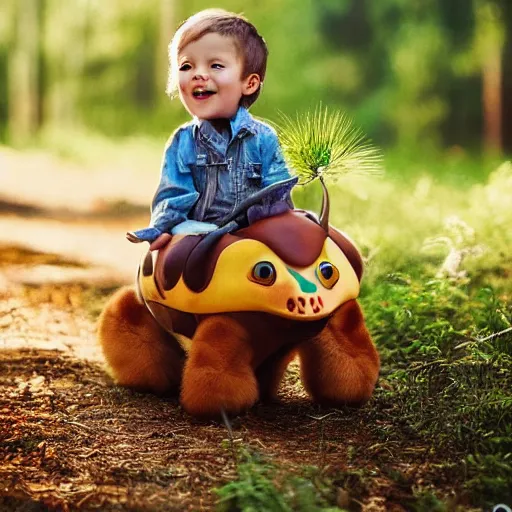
(415, 75)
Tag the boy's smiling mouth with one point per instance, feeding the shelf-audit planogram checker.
(202, 93)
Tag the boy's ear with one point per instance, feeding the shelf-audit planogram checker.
(251, 84)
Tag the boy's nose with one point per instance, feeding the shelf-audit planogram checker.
(200, 75)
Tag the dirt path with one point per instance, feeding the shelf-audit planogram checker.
(99, 244)
(47, 268)
(39, 178)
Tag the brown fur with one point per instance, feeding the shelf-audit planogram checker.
(218, 373)
(239, 358)
(139, 353)
(340, 366)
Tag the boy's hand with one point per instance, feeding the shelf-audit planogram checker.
(133, 238)
(160, 242)
(143, 235)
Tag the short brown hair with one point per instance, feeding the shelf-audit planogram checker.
(250, 45)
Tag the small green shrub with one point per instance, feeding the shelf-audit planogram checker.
(262, 486)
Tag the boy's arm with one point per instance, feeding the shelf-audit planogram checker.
(273, 170)
(274, 167)
(174, 198)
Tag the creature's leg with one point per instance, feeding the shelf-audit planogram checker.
(139, 353)
(270, 373)
(218, 373)
(340, 365)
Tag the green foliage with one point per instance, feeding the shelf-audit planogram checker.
(253, 491)
(325, 143)
(451, 389)
(408, 72)
(446, 351)
(262, 486)
(490, 477)
(445, 342)
(425, 501)
(410, 318)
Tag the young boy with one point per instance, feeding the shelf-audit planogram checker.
(223, 156)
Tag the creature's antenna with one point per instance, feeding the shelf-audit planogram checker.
(325, 144)
(326, 206)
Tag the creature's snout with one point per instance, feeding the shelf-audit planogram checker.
(305, 305)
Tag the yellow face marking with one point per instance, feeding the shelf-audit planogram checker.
(234, 286)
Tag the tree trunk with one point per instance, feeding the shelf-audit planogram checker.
(492, 102)
(168, 24)
(65, 49)
(24, 72)
(490, 38)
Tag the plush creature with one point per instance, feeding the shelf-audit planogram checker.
(219, 317)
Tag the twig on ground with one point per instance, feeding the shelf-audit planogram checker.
(320, 418)
(487, 338)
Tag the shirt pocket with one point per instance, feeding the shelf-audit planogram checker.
(252, 177)
(199, 173)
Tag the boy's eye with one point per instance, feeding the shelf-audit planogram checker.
(185, 67)
(217, 66)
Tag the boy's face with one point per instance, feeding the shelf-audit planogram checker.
(210, 77)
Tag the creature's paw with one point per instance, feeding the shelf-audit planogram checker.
(206, 392)
(139, 354)
(341, 365)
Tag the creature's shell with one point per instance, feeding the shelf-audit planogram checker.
(284, 265)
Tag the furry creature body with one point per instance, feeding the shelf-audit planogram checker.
(219, 322)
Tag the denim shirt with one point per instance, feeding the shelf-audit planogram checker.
(205, 174)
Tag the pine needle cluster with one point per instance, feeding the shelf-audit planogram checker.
(325, 143)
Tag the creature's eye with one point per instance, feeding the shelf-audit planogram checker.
(263, 273)
(327, 274)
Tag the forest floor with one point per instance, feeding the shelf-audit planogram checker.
(72, 440)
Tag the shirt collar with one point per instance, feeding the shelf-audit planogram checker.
(240, 122)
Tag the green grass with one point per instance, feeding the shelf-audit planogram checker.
(263, 486)
(444, 338)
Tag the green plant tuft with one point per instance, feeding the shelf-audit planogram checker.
(325, 143)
